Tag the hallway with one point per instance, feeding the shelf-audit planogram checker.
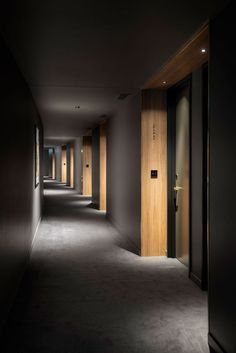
(84, 293)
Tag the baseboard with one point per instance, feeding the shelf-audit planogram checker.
(35, 233)
(214, 345)
(130, 245)
(195, 279)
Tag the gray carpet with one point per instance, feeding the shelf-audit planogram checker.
(84, 293)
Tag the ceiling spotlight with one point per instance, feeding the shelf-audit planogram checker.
(203, 50)
(77, 107)
(164, 82)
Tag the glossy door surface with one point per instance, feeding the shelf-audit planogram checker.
(182, 175)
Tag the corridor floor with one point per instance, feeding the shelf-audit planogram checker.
(84, 293)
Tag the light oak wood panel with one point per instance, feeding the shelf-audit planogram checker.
(153, 157)
(188, 59)
(53, 166)
(72, 174)
(63, 165)
(87, 165)
(103, 167)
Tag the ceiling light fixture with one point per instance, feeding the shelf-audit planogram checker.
(164, 82)
(203, 50)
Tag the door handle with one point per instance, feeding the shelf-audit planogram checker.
(177, 188)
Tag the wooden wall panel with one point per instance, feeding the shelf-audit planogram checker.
(72, 176)
(53, 166)
(103, 167)
(187, 60)
(63, 166)
(154, 157)
(87, 165)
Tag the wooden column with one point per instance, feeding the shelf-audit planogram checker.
(87, 165)
(53, 165)
(154, 160)
(72, 166)
(103, 166)
(63, 165)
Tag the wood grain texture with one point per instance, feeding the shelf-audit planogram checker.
(87, 165)
(103, 166)
(187, 60)
(153, 157)
(72, 174)
(63, 166)
(53, 166)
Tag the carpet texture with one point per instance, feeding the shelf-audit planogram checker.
(83, 293)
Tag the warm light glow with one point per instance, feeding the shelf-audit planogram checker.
(203, 50)
(164, 82)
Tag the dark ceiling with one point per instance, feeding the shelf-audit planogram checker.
(88, 52)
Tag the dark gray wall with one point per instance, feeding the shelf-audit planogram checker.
(123, 170)
(222, 238)
(197, 171)
(58, 162)
(96, 167)
(20, 209)
(47, 162)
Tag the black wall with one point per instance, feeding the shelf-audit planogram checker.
(96, 167)
(123, 171)
(20, 209)
(222, 202)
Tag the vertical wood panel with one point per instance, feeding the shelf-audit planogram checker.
(72, 166)
(63, 165)
(87, 165)
(153, 157)
(53, 166)
(103, 167)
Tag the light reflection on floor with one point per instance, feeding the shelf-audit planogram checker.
(85, 292)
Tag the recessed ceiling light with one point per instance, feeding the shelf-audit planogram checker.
(203, 50)
(164, 82)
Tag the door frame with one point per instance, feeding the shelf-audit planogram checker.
(171, 164)
(171, 141)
